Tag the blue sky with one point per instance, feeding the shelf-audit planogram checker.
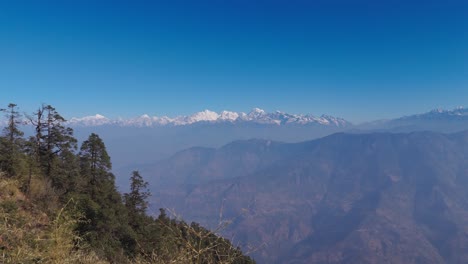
(361, 60)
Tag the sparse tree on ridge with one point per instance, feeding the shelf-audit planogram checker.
(52, 138)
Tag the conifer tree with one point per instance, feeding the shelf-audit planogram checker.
(57, 139)
(52, 138)
(136, 199)
(95, 163)
(107, 225)
(12, 141)
(38, 123)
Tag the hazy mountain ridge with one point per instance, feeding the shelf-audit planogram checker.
(345, 198)
(201, 165)
(440, 120)
(149, 142)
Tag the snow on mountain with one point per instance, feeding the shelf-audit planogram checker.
(228, 116)
(441, 120)
(204, 116)
(257, 115)
(456, 113)
(95, 120)
(141, 121)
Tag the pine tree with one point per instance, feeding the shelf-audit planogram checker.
(136, 199)
(52, 139)
(37, 121)
(107, 227)
(57, 138)
(11, 142)
(95, 162)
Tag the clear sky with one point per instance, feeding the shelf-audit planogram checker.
(361, 60)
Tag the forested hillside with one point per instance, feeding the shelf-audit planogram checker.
(59, 204)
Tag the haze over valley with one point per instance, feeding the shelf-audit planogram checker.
(312, 192)
(234, 132)
(155, 141)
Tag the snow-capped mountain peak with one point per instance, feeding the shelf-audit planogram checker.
(229, 116)
(257, 115)
(440, 113)
(257, 111)
(206, 115)
(95, 120)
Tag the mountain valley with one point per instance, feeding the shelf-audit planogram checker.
(345, 198)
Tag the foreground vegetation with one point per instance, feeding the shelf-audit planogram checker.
(59, 204)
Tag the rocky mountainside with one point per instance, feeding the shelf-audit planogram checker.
(345, 198)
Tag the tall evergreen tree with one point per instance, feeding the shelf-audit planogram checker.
(52, 138)
(57, 139)
(136, 200)
(107, 227)
(66, 177)
(11, 141)
(95, 162)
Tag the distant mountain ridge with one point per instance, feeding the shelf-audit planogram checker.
(458, 112)
(344, 198)
(261, 117)
(257, 116)
(440, 120)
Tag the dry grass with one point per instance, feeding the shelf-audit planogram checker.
(198, 245)
(27, 235)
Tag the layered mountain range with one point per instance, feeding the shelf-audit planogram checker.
(345, 198)
(307, 189)
(154, 138)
